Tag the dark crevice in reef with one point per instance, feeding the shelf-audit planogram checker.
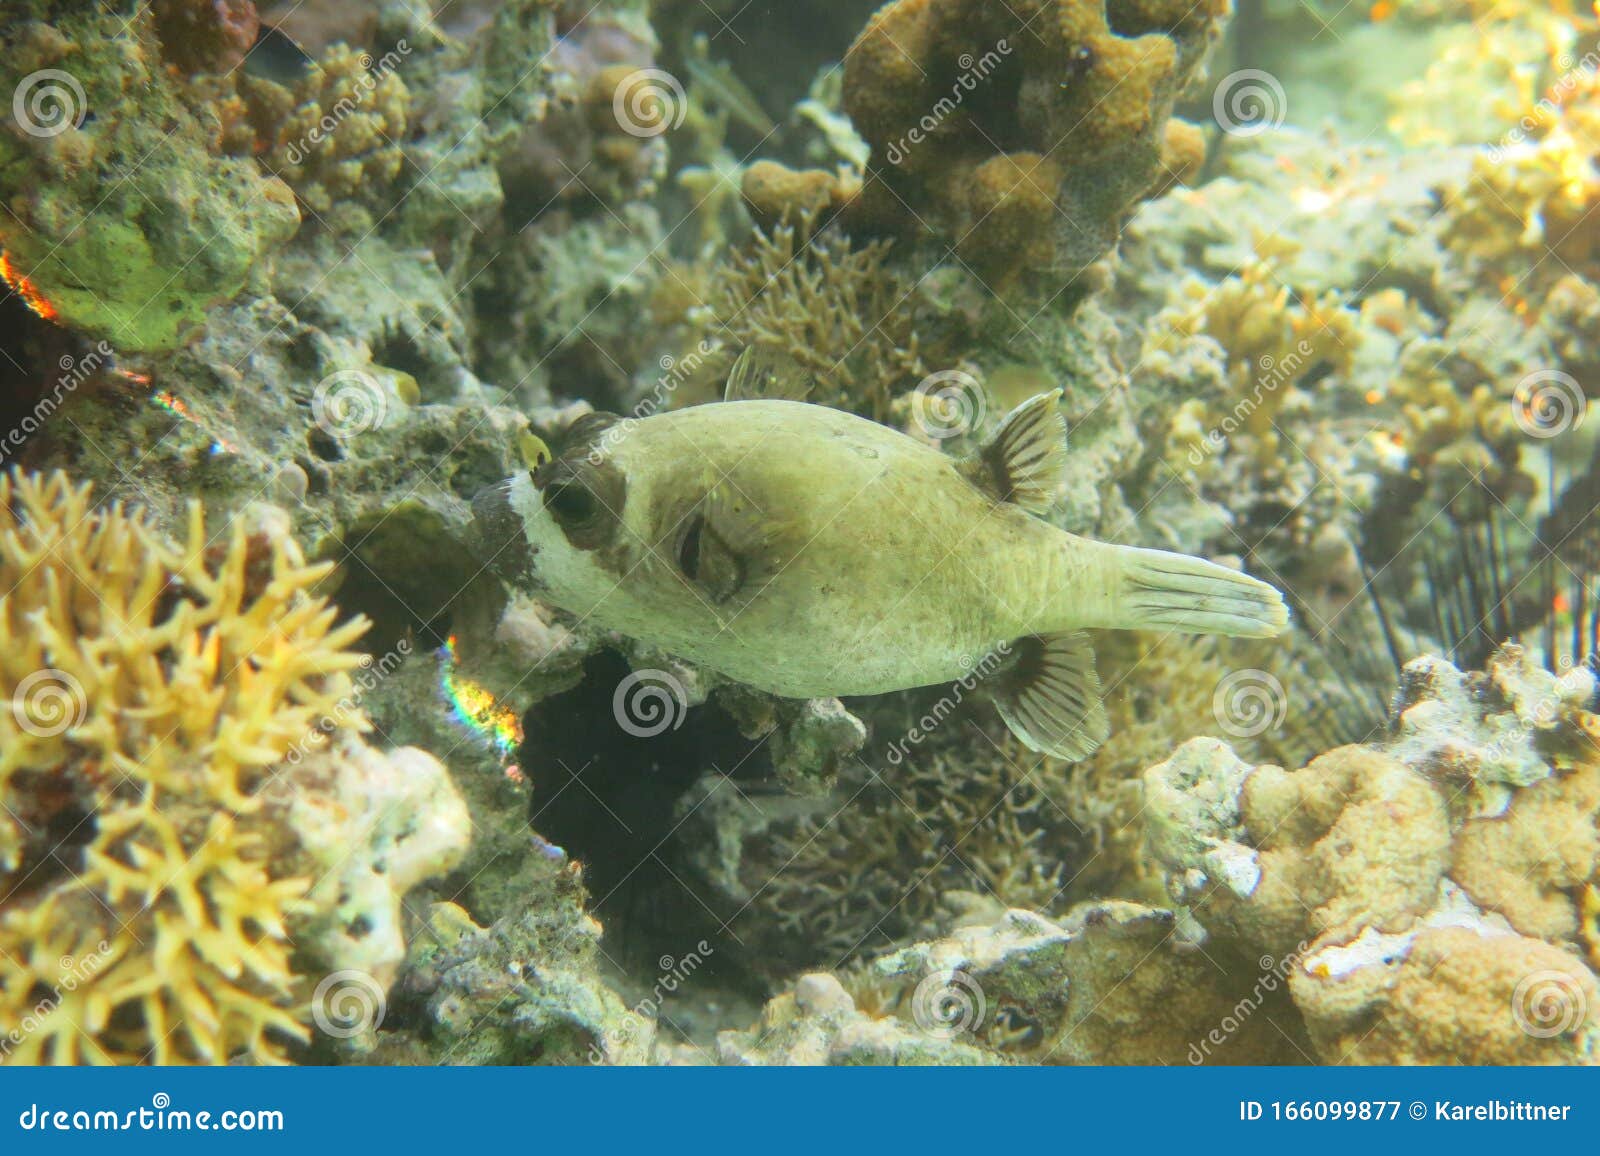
(382, 580)
(41, 367)
(610, 799)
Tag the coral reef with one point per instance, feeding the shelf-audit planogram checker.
(1425, 885)
(839, 312)
(1022, 136)
(517, 213)
(336, 135)
(168, 739)
(129, 223)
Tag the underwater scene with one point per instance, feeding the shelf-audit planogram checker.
(799, 532)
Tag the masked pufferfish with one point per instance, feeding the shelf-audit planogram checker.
(808, 553)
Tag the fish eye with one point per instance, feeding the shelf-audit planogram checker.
(570, 502)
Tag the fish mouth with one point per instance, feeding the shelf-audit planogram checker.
(500, 539)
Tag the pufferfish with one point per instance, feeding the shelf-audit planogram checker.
(808, 552)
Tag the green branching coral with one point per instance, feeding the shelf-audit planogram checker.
(840, 312)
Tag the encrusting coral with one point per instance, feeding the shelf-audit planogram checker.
(124, 219)
(334, 137)
(1428, 887)
(157, 692)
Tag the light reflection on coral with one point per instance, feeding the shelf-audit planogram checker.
(477, 709)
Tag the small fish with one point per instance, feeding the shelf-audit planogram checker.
(715, 82)
(276, 57)
(811, 553)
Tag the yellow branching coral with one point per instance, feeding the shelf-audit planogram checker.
(1535, 198)
(1273, 339)
(153, 689)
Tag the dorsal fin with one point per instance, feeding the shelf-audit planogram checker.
(763, 372)
(1026, 460)
(1050, 696)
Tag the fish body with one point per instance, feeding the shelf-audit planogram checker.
(809, 552)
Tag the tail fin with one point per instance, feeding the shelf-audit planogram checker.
(1176, 592)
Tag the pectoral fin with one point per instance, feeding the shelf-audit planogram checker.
(1050, 696)
(1026, 460)
(760, 372)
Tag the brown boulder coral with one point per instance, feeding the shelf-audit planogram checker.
(1021, 134)
(156, 693)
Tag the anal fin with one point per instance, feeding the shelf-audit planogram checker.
(1050, 696)
(1024, 462)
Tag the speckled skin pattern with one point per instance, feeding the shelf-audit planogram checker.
(874, 564)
